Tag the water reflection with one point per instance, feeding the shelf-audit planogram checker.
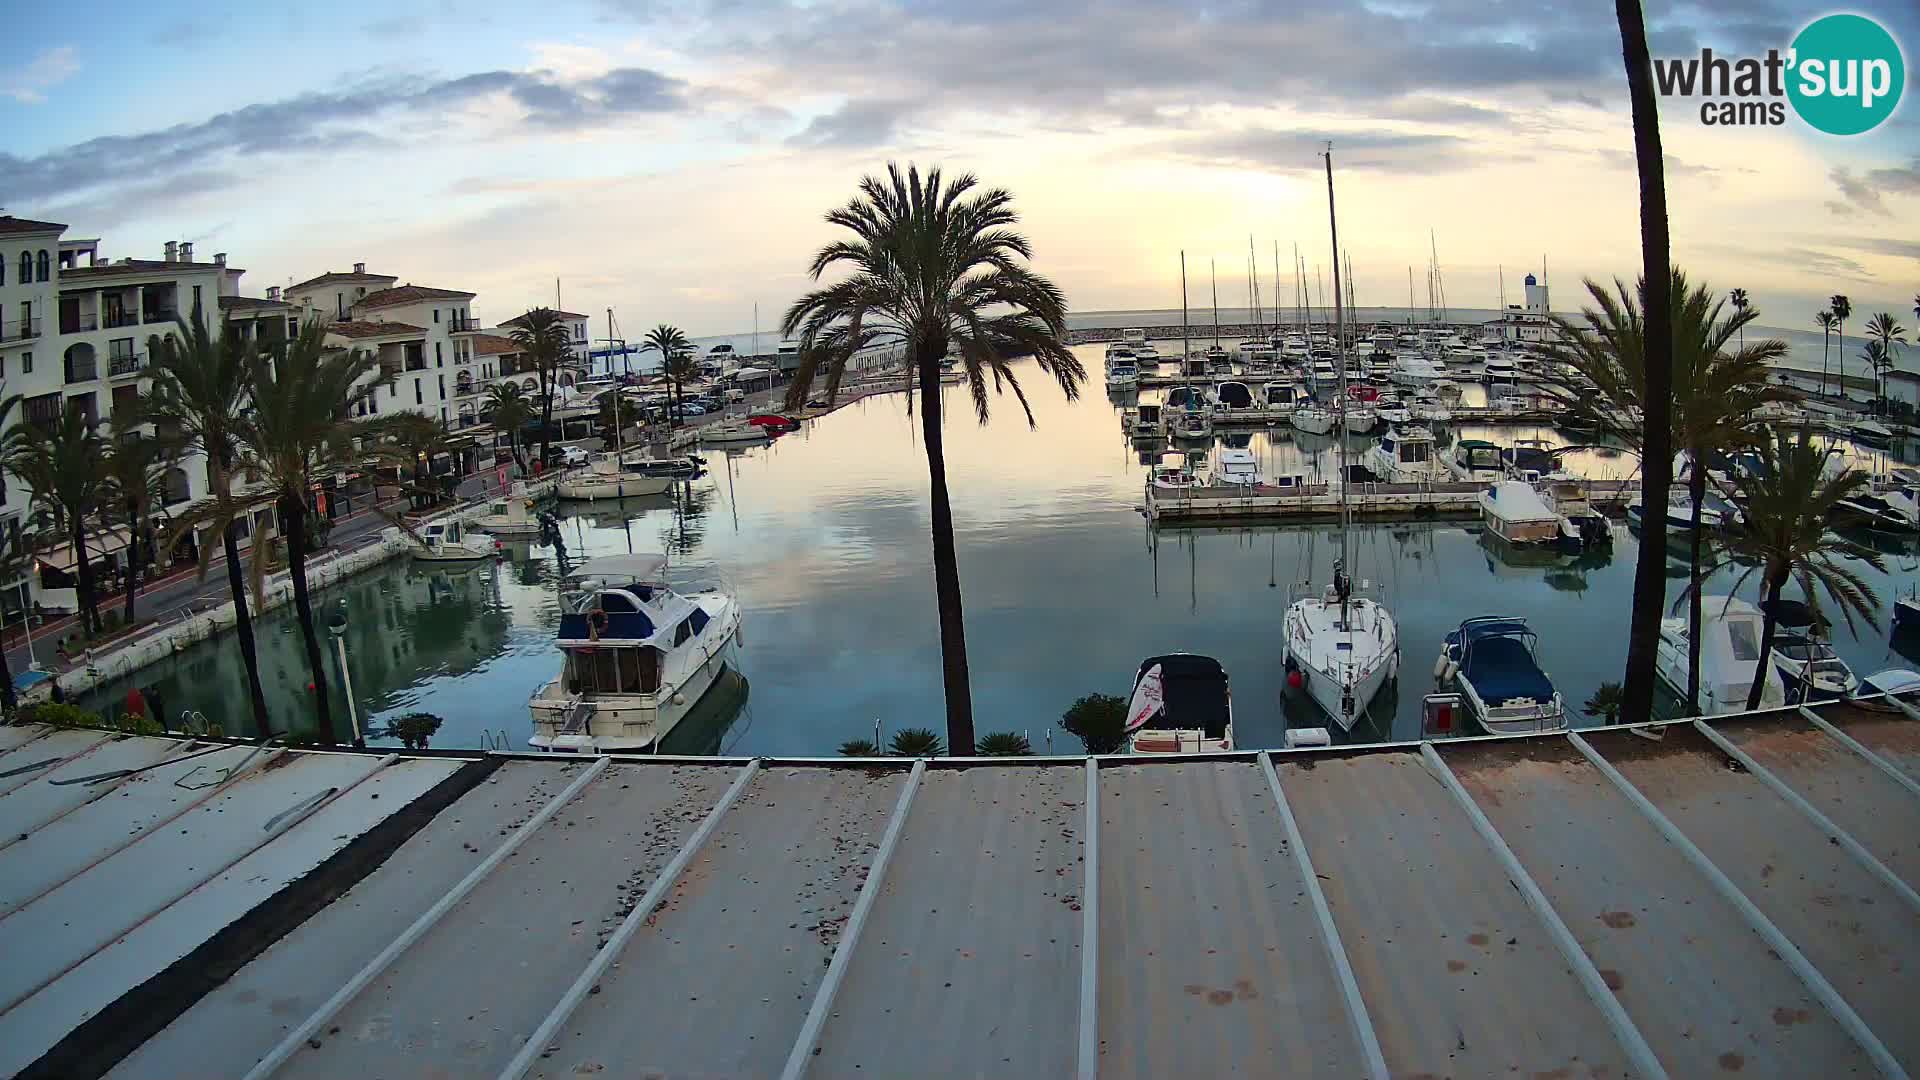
(825, 535)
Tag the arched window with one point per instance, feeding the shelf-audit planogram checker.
(45, 265)
(26, 267)
(176, 486)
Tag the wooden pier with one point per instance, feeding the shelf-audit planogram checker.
(1310, 502)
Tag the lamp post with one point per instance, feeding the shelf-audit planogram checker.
(337, 626)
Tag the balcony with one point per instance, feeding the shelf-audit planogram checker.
(465, 389)
(463, 324)
(117, 319)
(77, 323)
(126, 364)
(79, 371)
(162, 315)
(416, 363)
(19, 330)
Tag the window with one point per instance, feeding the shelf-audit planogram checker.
(293, 327)
(442, 379)
(45, 265)
(682, 632)
(437, 362)
(436, 314)
(26, 267)
(196, 299)
(3, 271)
(26, 363)
(419, 398)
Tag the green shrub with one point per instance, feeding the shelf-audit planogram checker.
(415, 729)
(859, 748)
(916, 742)
(60, 714)
(1003, 744)
(1100, 720)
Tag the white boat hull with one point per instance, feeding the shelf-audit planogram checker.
(620, 723)
(589, 486)
(1343, 689)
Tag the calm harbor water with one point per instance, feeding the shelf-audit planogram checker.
(824, 534)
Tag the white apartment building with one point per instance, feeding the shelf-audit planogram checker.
(29, 265)
(422, 336)
(579, 345)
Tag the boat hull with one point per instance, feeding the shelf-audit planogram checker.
(1343, 694)
(620, 723)
(589, 487)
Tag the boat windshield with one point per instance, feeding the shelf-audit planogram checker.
(614, 670)
(1744, 637)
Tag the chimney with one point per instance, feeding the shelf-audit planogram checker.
(219, 258)
(359, 268)
(186, 251)
(173, 250)
(273, 292)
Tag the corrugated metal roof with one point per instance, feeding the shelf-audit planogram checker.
(1733, 898)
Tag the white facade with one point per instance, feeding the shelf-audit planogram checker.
(29, 282)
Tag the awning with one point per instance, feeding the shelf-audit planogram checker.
(99, 546)
(748, 374)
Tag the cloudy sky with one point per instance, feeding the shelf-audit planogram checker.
(672, 158)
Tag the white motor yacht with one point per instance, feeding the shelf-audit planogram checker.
(1236, 467)
(1391, 410)
(447, 541)
(1175, 472)
(1499, 367)
(512, 514)
(1146, 356)
(1428, 409)
(1181, 703)
(1515, 512)
(1122, 373)
(1412, 369)
(607, 477)
(1476, 461)
(637, 656)
(1406, 454)
(1281, 397)
(1729, 657)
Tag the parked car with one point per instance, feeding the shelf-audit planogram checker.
(565, 457)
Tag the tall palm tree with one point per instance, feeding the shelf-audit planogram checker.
(544, 343)
(1841, 307)
(1826, 322)
(136, 473)
(1738, 298)
(13, 566)
(507, 404)
(1916, 307)
(198, 402)
(935, 265)
(1714, 391)
(60, 465)
(1782, 536)
(1656, 463)
(1886, 332)
(304, 395)
(411, 442)
(672, 345)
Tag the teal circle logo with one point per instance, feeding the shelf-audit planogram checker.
(1846, 74)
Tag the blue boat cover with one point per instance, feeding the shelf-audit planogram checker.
(1502, 668)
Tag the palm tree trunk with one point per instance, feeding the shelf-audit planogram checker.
(1826, 341)
(133, 555)
(243, 627)
(83, 566)
(296, 515)
(1697, 488)
(9, 701)
(946, 569)
(1765, 666)
(1649, 581)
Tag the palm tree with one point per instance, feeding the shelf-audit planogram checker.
(136, 470)
(915, 742)
(1782, 535)
(544, 342)
(1842, 307)
(60, 465)
(1826, 322)
(1874, 356)
(1738, 298)
(198, 402)
(411, 442)
(1656, 462)
(935, 266)
(507, 404)
(672, 345)
(13, 566)
(1916, 307)
(1714, 391)
(304, 396)
(1889, 335)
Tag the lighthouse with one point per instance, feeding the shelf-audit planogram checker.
(1536, 296)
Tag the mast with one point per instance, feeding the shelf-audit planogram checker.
(1339, 343)
(1409, 294)
(1253, 278)
(618, 402)
(1184, 348)
(1276, 286)
(1215, 277)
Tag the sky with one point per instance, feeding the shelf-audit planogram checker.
(672, 159)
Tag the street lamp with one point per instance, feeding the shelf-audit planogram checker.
(337, 626)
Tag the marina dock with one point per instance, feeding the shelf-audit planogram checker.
(1306, 502)
(1577, 903)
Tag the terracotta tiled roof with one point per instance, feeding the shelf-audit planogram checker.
(250, 303)
(493, 345)
(332, 278)
(355, 329)
(566, 316)
(141, 266)
(408, 294)
(11, 224)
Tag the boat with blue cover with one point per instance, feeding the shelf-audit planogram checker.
(1492, 660)
(638, 654)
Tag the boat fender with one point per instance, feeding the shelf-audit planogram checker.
(1451, 671)
(596, 623)
(1440, 668)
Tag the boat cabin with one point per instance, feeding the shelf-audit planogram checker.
(618, 621)
(1282, 394)
(1408, 448)
(1233, 395)
(1194, 709)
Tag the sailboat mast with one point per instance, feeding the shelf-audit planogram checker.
(1276, 286)
(1339, 343)
(618, 401)
(1409, 295)
(1214, 276)
(1184, 348)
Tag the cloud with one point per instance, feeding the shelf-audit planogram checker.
(1376, 151)
(854, 125)
(1624, 159)
(1868, 191)
(329, 122)
(29, 84)
(1881, 245)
